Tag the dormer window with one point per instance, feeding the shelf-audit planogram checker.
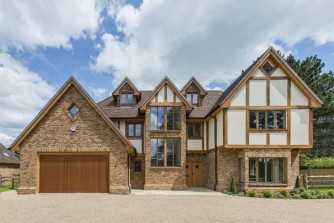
(192, 98)
(126, 100)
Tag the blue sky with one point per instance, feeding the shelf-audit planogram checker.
(100, 42)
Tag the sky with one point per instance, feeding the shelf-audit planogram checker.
(100, 42)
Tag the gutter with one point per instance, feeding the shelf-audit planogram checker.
(129, 169)
(216, 153)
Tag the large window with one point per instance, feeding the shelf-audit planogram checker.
(192, 98)
(134, 130)
(267, 120)
(126, 100)
(194, 130)
(165, 152)
(266, 170)
(170, 122)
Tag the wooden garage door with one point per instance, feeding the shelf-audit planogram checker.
(74, 173)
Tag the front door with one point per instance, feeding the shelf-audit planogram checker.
(194, 174)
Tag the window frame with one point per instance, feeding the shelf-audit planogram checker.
(193, 136)
(192, 102)
(274, 166)
(127, 102)
(257, 113)
(134, 129)
(165, 154)
(165, 119)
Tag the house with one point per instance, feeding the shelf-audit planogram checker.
(9, 164)
(170, 138)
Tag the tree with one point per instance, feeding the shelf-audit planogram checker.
(310, 70)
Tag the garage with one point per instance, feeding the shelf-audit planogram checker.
(74, 174)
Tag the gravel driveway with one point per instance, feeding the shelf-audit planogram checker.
(159, 208)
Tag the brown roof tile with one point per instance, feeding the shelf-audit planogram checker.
(4, 159)
(207, 104)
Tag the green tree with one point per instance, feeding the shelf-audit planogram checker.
(322, 83)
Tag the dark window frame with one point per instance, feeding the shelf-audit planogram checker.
(266, 160)
(166, 116)
(128, 102)
(193, 131)
(134, 133)
(138, 166)
(275, 121)
(164, 157)
(192, 101)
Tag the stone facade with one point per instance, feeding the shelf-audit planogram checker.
(137, 177)
(53, 135)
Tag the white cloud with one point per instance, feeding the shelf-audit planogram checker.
(27, 24)
(212, 40)
(98, 93)
(22, 95)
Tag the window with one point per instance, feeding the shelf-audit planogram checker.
(74, 110)
(126, 100)
(194, 130)
(134, 130)
(5, 154)
(170, 122)
(268, 68)
(137, 166)
(267, 120)
(266, 170)
(192, 98)
(165, 152)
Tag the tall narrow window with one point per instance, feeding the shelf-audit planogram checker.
(192, 98)
(173, 152)
(157, 152)
(157, 118)
(126, 100)
(173, 118)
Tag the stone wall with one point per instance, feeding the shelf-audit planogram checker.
(92, 134)
(137, 178)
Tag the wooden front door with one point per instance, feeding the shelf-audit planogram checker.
(74, 173)
(194, 174)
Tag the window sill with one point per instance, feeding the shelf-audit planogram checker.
(267, 185)
(134, 137)
(166, 131)
(165, 168)
(191, 137)
(268, 130)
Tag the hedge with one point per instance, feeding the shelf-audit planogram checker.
(316, 163)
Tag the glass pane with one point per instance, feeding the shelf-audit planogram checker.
(177, 152)
(189, 98)
(131, 129)
(271, 115)
(198, 130)
(123, 99)
(267, 67)
(130, 98)
(154, 118)
(138, 129)
(177, 118)
(252, 121)
(190, 130)
(161, 113)
(280, 119)
(154, 155)
(170, 152)
(262, 119)
(195, 100)
(270, 170)
(161, 152)
(262, 167)
(74, 110)
(170, 114)
(252, 170)
(279, 171)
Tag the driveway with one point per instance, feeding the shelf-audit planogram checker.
(159, 208)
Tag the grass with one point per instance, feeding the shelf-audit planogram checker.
(322, 189)
(5, 188)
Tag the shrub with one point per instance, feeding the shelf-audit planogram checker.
(330, 194)
(268, 194)
(294, 192)
(322, 195)
(284, 193)
(316, 163)
(233, 187)
(251, 193)
(305, 195)
(298, 183)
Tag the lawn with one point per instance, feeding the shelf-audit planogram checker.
(5, 188)
(322, 189)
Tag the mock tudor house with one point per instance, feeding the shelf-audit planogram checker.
(170, 138)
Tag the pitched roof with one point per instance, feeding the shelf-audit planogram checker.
(255, 65)
(6, 156)
(126, 81)
(70, 82)
(207, 104)
(194, 81)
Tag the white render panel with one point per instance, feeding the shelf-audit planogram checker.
(259, 73)
(204, 134)
(194, 144)
(278, 73)
(137, 143)
(170, 94)
(278, 92)
(239, 99)
(279, 138)
(220, 129)
(236, 127)
(122, 126)
(257, 93)
(299, 127)
(161, 95)
(177, 99)
(211, 133)
(257, 138)
(297, 97)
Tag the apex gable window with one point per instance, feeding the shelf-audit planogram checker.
(166, 118)
(166, 152)
(194, 130)
(266, 170)
(73, 110)
(134, 129)
(192, 98)
(126, 99)
(267, 120)
(268, 68)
